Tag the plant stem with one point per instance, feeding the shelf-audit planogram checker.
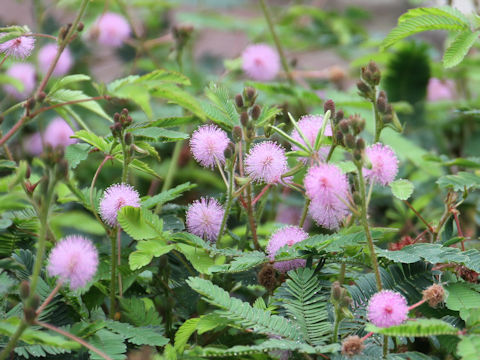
(119, 260)
(368, 234)
(228, 203)
(126, 159)
(172, 169)
(335, 328)
(304, 213)
(92, 186)
(113, 277)
(49, 298)
(378, 119)
(459, 228)
(419, 216)
(251, 218)
(13, 340)
(278, 44)
(74, 338)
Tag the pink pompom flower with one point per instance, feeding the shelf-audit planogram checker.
(260, 62)
(116, 197)
(384, 164)
(25, 73)
(47, 54)
(20, 47)
(440, 90)
(58, 133)
(387, 308)
(207, 143)
(310, 126)
(327, 188)
(113, 29)
(33, 144)
(288, 235)
(204, 218)
(74, 260)
(266, 162)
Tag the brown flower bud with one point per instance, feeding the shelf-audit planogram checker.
(336, 291)
(41, 96)
(339, 136)
(80, 27)
(24, 289)
(344, 126)
(339, 116)
(360, 145)
(267, 277)
(357, 155)
(116, 117)
(352, 345)
(382, 104)
(434, 295)
(256, 111)
(30, 315)
(249, 94)
(128, 138)
(244, 118)
(125, 112)
(230, 150)
(239, 101)
(237, 134)
(30, 103)
(349, 141)
(329, 105)
(363, 87)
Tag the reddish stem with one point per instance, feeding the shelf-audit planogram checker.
(264, 190)
(72, 102)
(419, 216)
(459, 228)
(49, 298)
(367, 336)
(416, 304)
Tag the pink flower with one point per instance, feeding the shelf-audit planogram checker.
(47, 54)
(114, 198)
(58, 133)
(440, 90)
(207, 143)
(384, 164)
(75, 260)
(204, 218)
(25, 73)
(286, 236)
(113, 29)
(33, 145)
(387, 308)
(327, 188)
(310, 126)
(266, 162)
(20, 47)
(260, 62)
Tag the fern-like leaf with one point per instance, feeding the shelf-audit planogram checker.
(459, 48)
(417, 328)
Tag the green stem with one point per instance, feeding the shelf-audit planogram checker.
(228, 203)
(126, 159)
(304, 213)
(278, 44)
(341, 276)
(378, 119)
(13, 340)
(336, 327)
(364, 220)
(113, 278)
(172, 169)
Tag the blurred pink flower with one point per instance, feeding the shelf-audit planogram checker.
(204, 218)
(310, 126)
(74, 260)
(20, 47)
(260, 62)
(266, 162)
(47, 54)
(440, 90)
(207, 143)
(384, 164)
(113, 29)
(327, 188)
(288, 235)
(33, 144)
(387, 308)
(58, 133)
(116, 197)
(25, 73)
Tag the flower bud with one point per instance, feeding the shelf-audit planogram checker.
(352, 345)
(382, 104)
(244, 118)
(128, 138)
(256, 111)
(344, 126)
(267, 277)
(239, 101)
(249, 95)
(357, 155)
(30, 103)
(363, 88)
(434, 295)
(360, 144)
(336, 291)
(41, 96)
(30, 315)
(116, 117)
(24, 289)
(250, 131)
(349, 141)
(80, 27)
(339, 136)
(230, 150)
(339, 116)
(237, 134)
(329, 105)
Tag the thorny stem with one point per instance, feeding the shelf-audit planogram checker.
(74, 338)
(429, 227)
(278, 44)
(261, 193)
(49, 298)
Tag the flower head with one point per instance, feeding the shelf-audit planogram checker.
(113, 29)
(25, 73)
(327, 188)
(266, 162)
(387, 308)
(20, 47)
(204, 218)
(47, 54)
(116, 197)
(352, 345)
(74, 259)
(434, 294)
(58, 133)
(440, 90)
(207, 143)
(33, 144)
(286, 236)
(310, 126)
(384, 164)
(260, 62)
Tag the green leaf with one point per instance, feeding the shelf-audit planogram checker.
(180, 97)
(65, 95)
(425, 19)
(199, 258)
(92, 139)
(140, 223)
(459, 48)
(462, 296)
(184, 332)
(159, 134)
(402, 189)
(76, 153)
(137, 313)
(110, 343)
(138, 335)
(417, 328)
(469, 347)
(69, 79)
(168, 195)
(146, 251)
(220, 109)
(77, 220)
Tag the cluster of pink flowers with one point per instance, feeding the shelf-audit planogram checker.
(20, 47)
(387, 308)
(260, 62)
(288, 235)
(114, 198)
(266, 162)
(74, 259)
(204, 218)
(310, 126)
(57, 134)
(327, 188)
(112, 29)
(384, 164)
(208, 143)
